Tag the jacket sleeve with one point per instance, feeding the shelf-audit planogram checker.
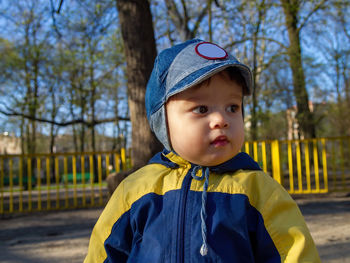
(287, 228)
(111, 237)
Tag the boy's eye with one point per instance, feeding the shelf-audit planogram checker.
(200, 109)
(232, 108)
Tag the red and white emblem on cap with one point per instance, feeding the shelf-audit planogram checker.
(209, 50)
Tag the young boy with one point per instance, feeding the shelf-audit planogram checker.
(201, 199)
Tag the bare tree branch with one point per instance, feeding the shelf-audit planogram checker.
(259, 38)
(174, 13)
(181, 21)
(314, 10)
(186, 17)
(199, 20)
(53, 11)
(66, 123)
(59, 7)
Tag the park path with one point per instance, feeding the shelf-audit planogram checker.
(63, 236)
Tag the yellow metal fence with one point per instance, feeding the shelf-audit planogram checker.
(305, 166)
(59, 181)
(62, 181)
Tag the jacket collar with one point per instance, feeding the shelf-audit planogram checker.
(241, 161)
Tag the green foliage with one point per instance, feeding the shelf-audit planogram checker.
(69, 72)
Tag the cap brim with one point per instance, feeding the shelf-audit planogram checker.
(206, 72)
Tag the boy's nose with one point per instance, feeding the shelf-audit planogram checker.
(218, 121)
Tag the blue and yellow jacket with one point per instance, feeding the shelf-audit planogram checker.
(155, 216)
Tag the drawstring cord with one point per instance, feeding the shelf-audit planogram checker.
(205, 174)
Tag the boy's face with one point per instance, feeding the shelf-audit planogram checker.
(205, 122)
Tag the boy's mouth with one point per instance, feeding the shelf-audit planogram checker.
(220, 141)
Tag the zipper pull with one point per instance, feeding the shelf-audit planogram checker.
(204, 250)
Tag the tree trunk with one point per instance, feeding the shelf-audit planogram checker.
(93, 108)
(304, 115)
(140, 51)
(83, 103)
(254, 117)
(22, 135)
(261, 10)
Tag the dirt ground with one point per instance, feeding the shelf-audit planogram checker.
(64, 236)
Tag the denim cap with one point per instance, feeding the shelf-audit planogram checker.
(179, 68)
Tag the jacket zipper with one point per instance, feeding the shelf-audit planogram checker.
(181, 234)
